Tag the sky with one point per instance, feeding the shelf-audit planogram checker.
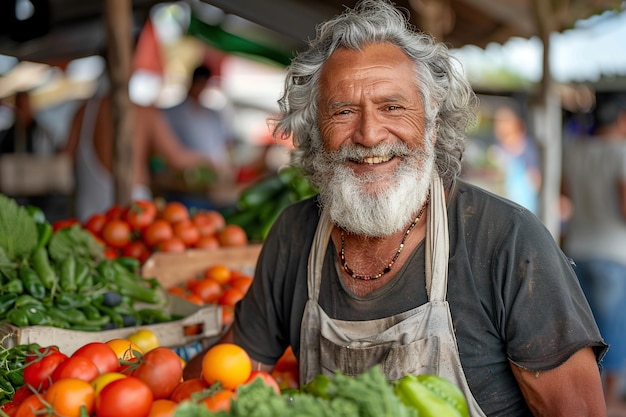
(594, 47)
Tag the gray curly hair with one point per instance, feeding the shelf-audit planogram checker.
(449, 101)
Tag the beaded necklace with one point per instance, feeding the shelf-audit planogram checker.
(387, 269)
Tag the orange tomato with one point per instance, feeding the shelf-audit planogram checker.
(159, 231)
(209, 290)
(226, 363)
(194, 298)
(232, 235)
(162, 408)
(174, 212)
(68, 395)
(220, 401)
(218, 272)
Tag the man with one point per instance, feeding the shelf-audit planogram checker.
(397, 261)
(596, 232)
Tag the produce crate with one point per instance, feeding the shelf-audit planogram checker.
(174, 268)
(198, 323)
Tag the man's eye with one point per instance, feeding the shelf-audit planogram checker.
(394, 107)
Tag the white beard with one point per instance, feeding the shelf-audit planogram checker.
(378, 205)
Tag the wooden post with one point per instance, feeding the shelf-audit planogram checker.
(118, 20)
(548, 126)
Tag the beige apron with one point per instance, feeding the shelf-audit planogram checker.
(418, 341)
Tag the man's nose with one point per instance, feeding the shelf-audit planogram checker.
(370, 130)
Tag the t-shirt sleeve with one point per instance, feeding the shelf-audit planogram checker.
(546, 315)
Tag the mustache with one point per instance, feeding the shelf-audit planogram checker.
(356, 153)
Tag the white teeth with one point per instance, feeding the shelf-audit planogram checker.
(376, 159)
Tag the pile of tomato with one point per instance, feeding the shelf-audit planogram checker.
(145, 227)
(218, 284)
(115, 379)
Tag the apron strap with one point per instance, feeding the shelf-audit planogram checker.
(317, 254)
(437, 243)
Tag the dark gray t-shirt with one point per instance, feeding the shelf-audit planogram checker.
(513, 294)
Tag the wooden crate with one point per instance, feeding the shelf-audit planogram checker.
(198, 323)
(174, 268)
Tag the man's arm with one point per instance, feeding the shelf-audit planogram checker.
(572, 389)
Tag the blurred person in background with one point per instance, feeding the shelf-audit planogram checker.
(91, 144)
(204, 130)
(399, 262)
(518, 157)
(594, 180)
(25, 134)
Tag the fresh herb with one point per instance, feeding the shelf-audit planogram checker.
(18, 231)
(77, 242)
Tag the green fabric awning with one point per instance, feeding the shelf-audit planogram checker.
(228, 42)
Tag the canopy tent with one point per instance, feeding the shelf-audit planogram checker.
(59, 30)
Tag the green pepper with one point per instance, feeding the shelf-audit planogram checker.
(6, 302)
(44, 233)
(70, 315)
(132, 265)
(84, 279)
(41, 264)
(36, 315)
(18, 317)
(106, 273)
(68, 300)
(91, 312)
(114, 317)
(318, 386)
(15, 377)
(32, 282)
(67, 275)
(5, 386)
(15, 286)
(133, 286)
(154, 315)
(27, 300)
(431, 396)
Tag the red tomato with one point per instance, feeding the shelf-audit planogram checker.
(68, 396)
(62, 224)
(116, 233)
(184, 390)
(95, 223)
(21, 394)
(111, 253)
(37, 372)
(10, 408)
(207, 242)
(173, 245)
(101, 354)
(209, 222)
(174, 212)
(137, 250)
(208, 289)
(125, 397)
(266, 378)
(231, 296)
(161, 369)
(30, 406)
(187, 232)
(76, 367)
(159, 231)
(220, 401)
(141, 214)
(114, 212)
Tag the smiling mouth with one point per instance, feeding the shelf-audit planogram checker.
(373, 160)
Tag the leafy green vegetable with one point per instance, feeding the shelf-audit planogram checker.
(369, 394)
(77, 242)
(18, 232)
